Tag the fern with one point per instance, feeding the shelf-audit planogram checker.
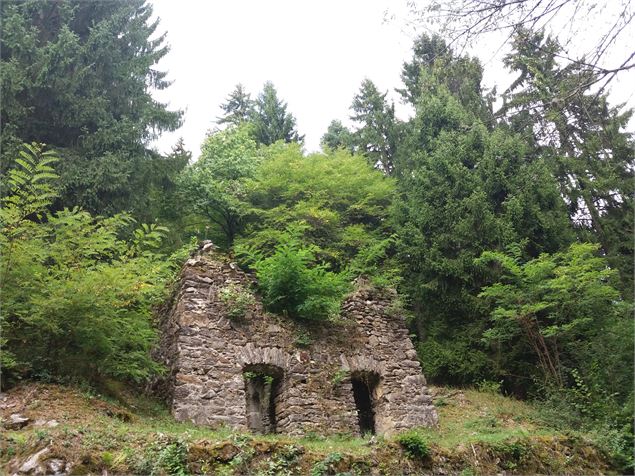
(30, 184)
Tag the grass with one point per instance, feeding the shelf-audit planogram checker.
(470, 416)
(479, 433)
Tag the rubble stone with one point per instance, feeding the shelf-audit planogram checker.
(211, 359)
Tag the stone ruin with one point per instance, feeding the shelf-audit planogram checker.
(231, 363)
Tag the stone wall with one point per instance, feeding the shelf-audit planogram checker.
(208, 354)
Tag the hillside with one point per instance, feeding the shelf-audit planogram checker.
(246, 283)
(84, 433)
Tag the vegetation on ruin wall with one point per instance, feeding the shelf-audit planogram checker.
(507, 233)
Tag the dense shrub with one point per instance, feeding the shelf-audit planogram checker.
(414, 444)
(77, 290)
(336, 202)
(293, 283)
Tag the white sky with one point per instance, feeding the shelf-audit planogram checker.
(316, 53)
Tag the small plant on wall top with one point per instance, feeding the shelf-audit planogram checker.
(340, 376)
(303, 339)
(237, 300)
(249, 375)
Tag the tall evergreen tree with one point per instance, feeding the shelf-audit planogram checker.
(589, 151)
(78, 76)
(460, 74)
(376, 136)
(337, 136)
(271, 121)
(238, 108)
(466, 188)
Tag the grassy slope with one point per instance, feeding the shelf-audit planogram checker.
(480, 433)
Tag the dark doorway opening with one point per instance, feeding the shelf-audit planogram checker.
(364, 387)
(262, 385)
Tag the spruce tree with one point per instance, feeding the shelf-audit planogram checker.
(376, 136)
(238, 108)
(271, 121)
(79, 76)
(466, 188)
(589, 151)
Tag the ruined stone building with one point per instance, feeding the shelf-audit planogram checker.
(233, 364)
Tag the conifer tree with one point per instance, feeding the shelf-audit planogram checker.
(466, 188)
(589, 151)
(376, 136)
(79, 76)
(238, 108)
(337, 136)
(271, 121)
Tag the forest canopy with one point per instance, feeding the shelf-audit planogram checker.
(507, 232)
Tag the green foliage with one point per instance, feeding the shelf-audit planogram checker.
(164, 201)
(552, 301)
(460, 74)
(238, 301)
(239, 107)
(270, 120)
(340, 376)
(377, 134)
(282, 463)
(489, 386)
(249, 375)
(584, 139)
(77, 290)
(328, 465)
(465, 186)
(29, 185)
(79, 76)
(513, 453)
(170, 458)
(303, 339)
(336, 204)
(337, 136)
(213, 188)
(414, 444)
(565, 307)
(293, 283)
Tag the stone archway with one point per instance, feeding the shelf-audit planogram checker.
(262, 388)
(365, 385)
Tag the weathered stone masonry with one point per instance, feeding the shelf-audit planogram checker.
(255, 373)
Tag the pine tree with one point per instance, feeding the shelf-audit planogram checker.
(271, 121)
(589, 152)
(78, 76)
(238, 108)
(376, 136)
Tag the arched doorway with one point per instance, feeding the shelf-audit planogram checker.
(365, 392)
(262, 385)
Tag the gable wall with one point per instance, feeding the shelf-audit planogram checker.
(207, 353)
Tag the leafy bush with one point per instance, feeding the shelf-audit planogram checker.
(340, 200)
(489, 386)
(303, 339)
(328, 465)
(414, 444)
(77, 290)
(237, 300)
(293, 284)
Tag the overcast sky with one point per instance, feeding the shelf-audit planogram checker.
(316, 53)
